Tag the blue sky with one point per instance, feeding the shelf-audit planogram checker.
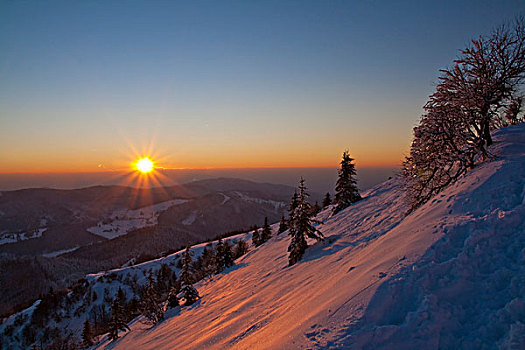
(87, 85)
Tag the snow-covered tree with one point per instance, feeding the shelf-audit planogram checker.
(256, 236)
(173, 300)
(186, 271)
(188, 292)
(346, 191)
(482, 91)
(240, 248)
(150, 302)
(266, 232)
(223, 256)
(301, 225)
(283, 225)
(118, 321)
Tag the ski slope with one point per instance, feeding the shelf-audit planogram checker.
(451, 274)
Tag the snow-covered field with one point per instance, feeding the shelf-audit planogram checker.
(450, 275)
(13, 237)
(60, 252)
(123, 221)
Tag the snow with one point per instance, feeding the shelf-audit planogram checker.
(123, 221)
(13, 237)
(451, 274)
(226, 198)
(60, 252)
(106, 283)
(277, 205)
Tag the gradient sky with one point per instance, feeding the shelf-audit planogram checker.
(86, 86)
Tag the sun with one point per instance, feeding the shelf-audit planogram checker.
(144, 165)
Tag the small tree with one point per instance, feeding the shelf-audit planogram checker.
(346, 191)
(327, 200)
(315, 209)
(241, 248)
(87, 334)
(266, 233)
(118, 322)
(188, 292)
(301, 226)
(150, 302)
(256, 236)
(228, 258)
(224, 255)
(173, 300)
(186, 271)
(283, 225)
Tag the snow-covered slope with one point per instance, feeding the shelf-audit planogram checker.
(449, 275)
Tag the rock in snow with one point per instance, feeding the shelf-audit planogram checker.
(451, 274)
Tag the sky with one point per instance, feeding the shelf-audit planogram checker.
(89, 86)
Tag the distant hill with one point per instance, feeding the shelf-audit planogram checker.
(60, 235)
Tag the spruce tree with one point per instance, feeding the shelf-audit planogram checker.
(186, 272)
(241, 248)
(118, 322)
(315, 209)
(220, 264)
(228, 258)
(346, 191)
(256, 236)
(87, 335)
(283, 226)
(301, 225)
(173, 300)
(327, 200)
(266, 233)
(189, 293)
(150, 302)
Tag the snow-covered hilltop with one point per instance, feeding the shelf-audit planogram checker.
(451, 274)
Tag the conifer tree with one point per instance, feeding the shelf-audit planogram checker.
(87, 335)
(118, 322)
(266, 233)
(173, 300)
(189, 293)
(186, 272)
(256, 236)
(241, 248)
(224, 255)
(327, 200)
(346, 191)
(220, 264)
(228, 255)
(293, 204)
(283, 226)
(150, 302)
(301, 225)
(315, 209)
